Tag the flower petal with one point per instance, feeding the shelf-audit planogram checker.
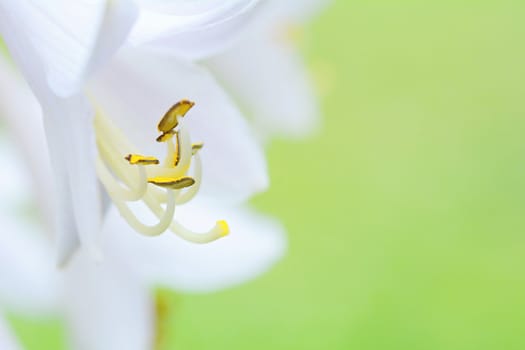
(22, 111)
(106, 307)
(28, 282)
(253, 246)
(29, 279)
(16, 100)
(185, 7)
(71, 136)
(36, 38)
(250, 71)
(138, 88)
(192, 29)
(67, 38)
(7, 339)
(296, 10)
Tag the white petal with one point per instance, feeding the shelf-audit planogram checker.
(13, 177)
(58, 43)
(296, 10)
(106, 307)
(70, 135)
(28, 277)
(253, 246)
(270, 80)
(264, 56)
(119, 17)
(191, 29)
(66, 235)
(186, 7)
(138, 88)
(7, 339)
(68, 120)
(22, 112)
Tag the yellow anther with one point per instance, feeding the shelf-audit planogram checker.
(196, 147)
(171, 182)
(179, 109)
(223, 227)
(166, 136)
(137, 159)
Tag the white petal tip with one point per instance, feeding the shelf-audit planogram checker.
(65, 250)
(63, 257)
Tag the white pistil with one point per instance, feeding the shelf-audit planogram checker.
(125, 184)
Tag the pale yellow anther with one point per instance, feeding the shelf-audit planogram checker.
(223, 227)
(172, 183)
(137, 159)
(196, 147)
(169, 121)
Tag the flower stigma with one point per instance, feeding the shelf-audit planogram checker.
(129, 176)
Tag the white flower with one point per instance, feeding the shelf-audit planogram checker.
(117, 290)
(58, 47)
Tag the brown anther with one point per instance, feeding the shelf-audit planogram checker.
(137, 159)
(169, 120)
(166, 136)
(196, 147)
(172, 183)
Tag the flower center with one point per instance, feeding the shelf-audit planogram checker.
(129, 176)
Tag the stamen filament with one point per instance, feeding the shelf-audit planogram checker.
(219, 230)
(130, 194)
(190, 192)
(165, 217)
(184, 163)
(124, 185)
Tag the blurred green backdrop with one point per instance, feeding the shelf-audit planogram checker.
(405, 212)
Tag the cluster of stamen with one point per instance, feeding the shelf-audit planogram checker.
(161, 187)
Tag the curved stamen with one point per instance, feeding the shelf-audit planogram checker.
(127, 194)
(111, 134)
(220, 230)
(165, 218)
(124, 185)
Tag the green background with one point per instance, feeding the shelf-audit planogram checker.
(405, 212)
